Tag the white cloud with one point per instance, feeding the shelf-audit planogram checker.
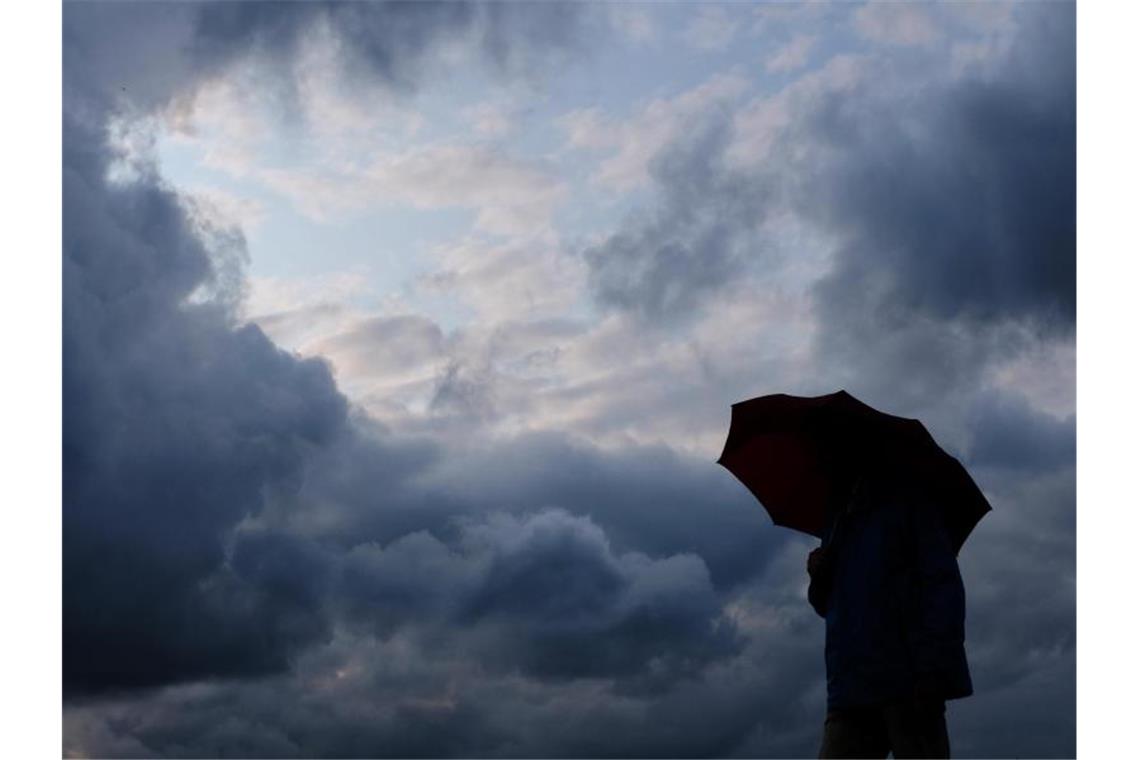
(587, 128)
(337, 146)
(766, 15)
(531, 365)
(1045, 373)
(395, 358)
(488, 119)
(384, 359)
(513, 196)
(793, 55)
(508, 281)
(762, 122)
(243, 126)
(273, 295)
(229, 207)
(346, 114)
(634, 142)
(625, 384)
(392, 359)
(229, 120)
(299, 312)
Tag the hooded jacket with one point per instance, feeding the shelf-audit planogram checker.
(893, 599)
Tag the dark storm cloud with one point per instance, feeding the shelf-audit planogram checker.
(547, 595)
(366, 697)
(393, 40)
(178, 423)
(664, 262)
(124, 51)
(1020, 575)
(561, 595)
(960, 203)
(1008, 432)
(196, 451)
(147, 54)
(536, 554)
(954, 211)
(174, 423)
(645, 498)
(559, 603)
(952, 204)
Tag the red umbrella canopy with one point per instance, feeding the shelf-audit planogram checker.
(800, 456)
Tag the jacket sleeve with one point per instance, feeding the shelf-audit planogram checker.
(819, 589)
(938, 607)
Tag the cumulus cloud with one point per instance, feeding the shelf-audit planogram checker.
(546, 594)
(206, 471)
(175, 420)
(178, 421)
(415, 694)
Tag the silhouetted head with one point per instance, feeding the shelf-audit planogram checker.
(845, 473)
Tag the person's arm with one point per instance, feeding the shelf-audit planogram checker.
(938, 612)
(820, 586)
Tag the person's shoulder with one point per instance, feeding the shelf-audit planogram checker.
(891, 502)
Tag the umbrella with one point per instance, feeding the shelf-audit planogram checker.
(798, 455)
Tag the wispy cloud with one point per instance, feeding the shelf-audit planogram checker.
(633, 142)
(635, 22)
(793, 55)
(895, 23)
(713, 28)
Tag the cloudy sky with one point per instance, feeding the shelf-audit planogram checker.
(399, 342)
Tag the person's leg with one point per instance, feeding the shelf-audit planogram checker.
(860, 733)
(917, 729)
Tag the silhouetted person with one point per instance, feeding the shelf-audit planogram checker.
(886, 581)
